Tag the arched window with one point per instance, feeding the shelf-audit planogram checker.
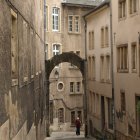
(61, 115)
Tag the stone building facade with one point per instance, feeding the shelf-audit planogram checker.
(22, 70)
(125, 41)
(65, 33)
(99, 69)
(126, 28)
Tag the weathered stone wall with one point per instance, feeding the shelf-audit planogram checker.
(21, 97)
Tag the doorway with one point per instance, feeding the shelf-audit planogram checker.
(138, 116)
(102, 112)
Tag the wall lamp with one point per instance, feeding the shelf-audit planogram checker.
(56, 77)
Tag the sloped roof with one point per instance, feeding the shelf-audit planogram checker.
(105, 2)
(82, 2)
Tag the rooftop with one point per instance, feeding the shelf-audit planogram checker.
(105, 2)
(82, 2)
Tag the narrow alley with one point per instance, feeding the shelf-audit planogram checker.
(67, 136)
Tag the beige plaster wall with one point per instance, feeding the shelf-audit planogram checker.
(126, 32)
(95, 21)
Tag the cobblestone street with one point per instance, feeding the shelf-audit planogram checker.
(67, 136)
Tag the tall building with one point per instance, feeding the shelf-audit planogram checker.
(21, 70)
(126, 19)
(65, 33)
(125, 41)
(99, 79)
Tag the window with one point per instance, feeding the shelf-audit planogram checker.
(93, 68)
(122, 58)
(76, 24)
(133, 6)
(14, 49)
(32, 53)
(25, 57)
(123, 104)
(46, 17)
(56, 49)
(110, 113)
(73, 118)
(102, 69)
(61, 115)
(55, 20)
(106, 37)
(89, 67)
(73, 24)
(91, 40)
(102, 37)
(134, 56)
(94, 101)
(108, 68)
(70, 23)
(51, 112)
(78, 86)
(71, 86)
(122, 8)
(46, 51)
(60, 86)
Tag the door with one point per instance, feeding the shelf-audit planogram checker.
(137, 116)
(102, 112)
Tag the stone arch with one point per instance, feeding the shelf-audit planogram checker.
(49, 66)
(64, 57)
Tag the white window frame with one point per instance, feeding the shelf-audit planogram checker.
(74, 24)
(56, 51)
(55, 18)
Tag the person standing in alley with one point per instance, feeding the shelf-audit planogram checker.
(78, 125)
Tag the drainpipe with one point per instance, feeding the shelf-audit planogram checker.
(112, 70)
(85, 83)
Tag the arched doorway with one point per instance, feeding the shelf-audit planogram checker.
(49, 66)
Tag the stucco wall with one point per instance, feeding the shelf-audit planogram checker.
(95, 22)
(126, 32)
(21, 98)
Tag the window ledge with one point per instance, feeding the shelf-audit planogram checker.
(123, 18)
(14, 82)
(108, 81)
(133, 14)
(78, 93)
(25, 79)
(123, 70)
(32, 76)
(134, 71)
(74, 33)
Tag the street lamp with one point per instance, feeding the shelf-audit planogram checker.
(56, 74)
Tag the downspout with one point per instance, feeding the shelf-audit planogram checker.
(85, 82)
(112, 71)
